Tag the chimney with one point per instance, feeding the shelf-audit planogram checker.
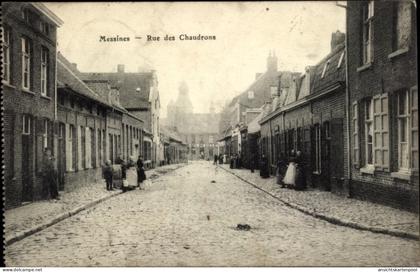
(337, 38)
(272, 62)
(120, 68)
(257, 75)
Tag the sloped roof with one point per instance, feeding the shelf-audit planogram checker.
(134, 87)
(170, 134)
(261, 88)
(332, 73)
(67, 77)
(254, 126)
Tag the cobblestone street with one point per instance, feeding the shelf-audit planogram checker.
(185, 219)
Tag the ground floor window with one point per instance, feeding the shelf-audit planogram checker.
(318, 154)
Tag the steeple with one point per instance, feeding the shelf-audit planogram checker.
(272, 61)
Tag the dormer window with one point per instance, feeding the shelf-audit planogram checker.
(138, 89)
(250, 94)
(340, 60)
(325, 69)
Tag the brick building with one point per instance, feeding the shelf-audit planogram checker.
(248, 105)
(29, 32)
(139, 95)
(309, 116)
(382, 73)
(93, 127)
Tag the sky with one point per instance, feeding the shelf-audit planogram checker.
(214, 70)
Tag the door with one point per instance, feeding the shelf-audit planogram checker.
(61, 156)
(27, 158)
(326, 156)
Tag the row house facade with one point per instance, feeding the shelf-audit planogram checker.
(245, 107)
(383, 106)
(29, 45)
(310, 117)
(175, 150)
(139, 95)
(93, 127)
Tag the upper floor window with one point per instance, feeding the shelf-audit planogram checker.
(44, 71)
(401, 24)
(369, 132)
(26, 63)
(44, 27)
(6, 54)
(26, 15)
(367, 34)
(26, 125)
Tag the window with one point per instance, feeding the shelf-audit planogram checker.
(44, 27)
(250, 94)
(26, 125)
(6, 54)
(401, 24)
(369, 131)
(45, 134)
(355, 123)
(325, 68)
(377, 132)
(367, 35)
(26, 63)
(44, 71)
(26, 15)
(407, 116)
(138, 89)
(340, 61)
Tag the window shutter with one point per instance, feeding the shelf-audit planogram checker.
(355, 138)
(381, 132)
(79, 148)
(414, 129)
(87, 148)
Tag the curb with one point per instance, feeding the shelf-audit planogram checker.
(61, 217)
(332, 219)
(55, 220)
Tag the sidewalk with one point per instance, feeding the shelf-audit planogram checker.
(337, 209)
(25, 220)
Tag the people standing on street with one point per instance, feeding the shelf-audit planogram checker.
(281, 170)
(215, 159)
(141, 175)
(290, 177)
(123, 164)
(231, 162)
(252, 163)
(220, 159)
(300, 172)
(264, 173)
(224, 158)
(239, 161)
(235, 161)
(107, 174)
(50, 188)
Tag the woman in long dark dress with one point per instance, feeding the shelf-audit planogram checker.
(141, 175)
(264, 167)
(300, 172)
(281, 170)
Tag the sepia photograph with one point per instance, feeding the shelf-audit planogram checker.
(210, 134)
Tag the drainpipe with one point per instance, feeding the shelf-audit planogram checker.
(349, 162)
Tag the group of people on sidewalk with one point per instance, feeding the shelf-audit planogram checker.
(290, 172)
(108, 172)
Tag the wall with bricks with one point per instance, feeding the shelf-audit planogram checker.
(17, 102)
(385, 74)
